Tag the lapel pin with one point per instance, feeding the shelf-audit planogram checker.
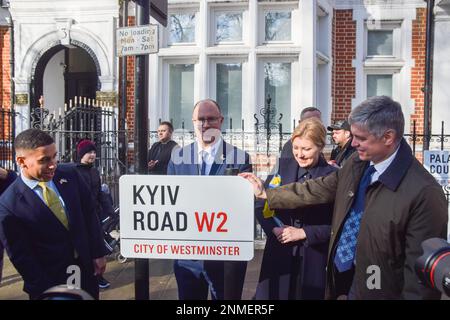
(61, 181)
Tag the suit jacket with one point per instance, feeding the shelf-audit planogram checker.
(184, 161)
(404, 207)
(39, 246)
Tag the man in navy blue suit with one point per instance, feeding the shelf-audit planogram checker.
(209, 155)
(48, 220)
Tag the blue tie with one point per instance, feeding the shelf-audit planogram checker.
(345, 252)
(203, 169)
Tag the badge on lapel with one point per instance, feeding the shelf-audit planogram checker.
(62, 181)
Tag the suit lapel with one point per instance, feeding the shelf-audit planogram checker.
(38, 209)
(289, 170)
(218, 161)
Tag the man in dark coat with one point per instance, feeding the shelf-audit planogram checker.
(160, 152)
(342, 136)
(46, 220)
(377, 230)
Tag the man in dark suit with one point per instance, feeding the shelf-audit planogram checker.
(209, 155)
(47, 222)
(159, 153)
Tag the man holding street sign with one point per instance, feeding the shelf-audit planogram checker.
(209, 155)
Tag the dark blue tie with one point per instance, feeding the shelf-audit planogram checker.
(345, 252)
(203, 169)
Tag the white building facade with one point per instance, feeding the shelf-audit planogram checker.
(240, 53)
(63, 49)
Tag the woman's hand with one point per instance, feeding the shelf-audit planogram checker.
(291, 234)
(258, 184)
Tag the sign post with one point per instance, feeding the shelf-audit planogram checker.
(141, 267)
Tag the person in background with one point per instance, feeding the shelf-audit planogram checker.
(159, 153)
(295, 256)
(86, 155)
(309, 112)
(342, 137)
(6, 178)
(46, 220)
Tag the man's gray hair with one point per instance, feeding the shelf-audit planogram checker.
(379, 114)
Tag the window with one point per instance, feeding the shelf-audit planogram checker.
(181, 94)
(379, 84)
(277, 85)
(383, 39)
(182, 28)
(277, 26)
(380, 43)
(229, 93)
(228, 26)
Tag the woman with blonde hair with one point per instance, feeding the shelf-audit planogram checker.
(295, 256)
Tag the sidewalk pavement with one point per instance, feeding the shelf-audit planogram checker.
(121, 276)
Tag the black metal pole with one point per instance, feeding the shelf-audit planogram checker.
(122, 125)
(428, 89)
(233, 277)
(141, 266)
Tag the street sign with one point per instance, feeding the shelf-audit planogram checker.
(437, 163)
(186, 217)
(132, 41)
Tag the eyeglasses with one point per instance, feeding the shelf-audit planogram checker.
(202, 121)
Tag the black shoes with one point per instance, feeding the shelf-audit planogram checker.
(103, 283)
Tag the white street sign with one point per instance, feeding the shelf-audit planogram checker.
(139, 40)
(186, 217)
(437, 163)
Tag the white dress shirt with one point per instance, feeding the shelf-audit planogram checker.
(209, 154)
(382, 166)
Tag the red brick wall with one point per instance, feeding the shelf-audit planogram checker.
(5, 85)
(130, 98)
(343, 74)
(418, 72)
(5, 72)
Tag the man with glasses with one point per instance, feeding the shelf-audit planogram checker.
(208, 155)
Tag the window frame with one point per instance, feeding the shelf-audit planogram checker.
(214, 61)
(384, 25)
(279, 7)
(166, 31)
(383, 71)
(215, 10)
(295, 75)
(165, 114)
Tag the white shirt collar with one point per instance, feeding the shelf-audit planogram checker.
(383, 165)
(31, 183)
(211, 150)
